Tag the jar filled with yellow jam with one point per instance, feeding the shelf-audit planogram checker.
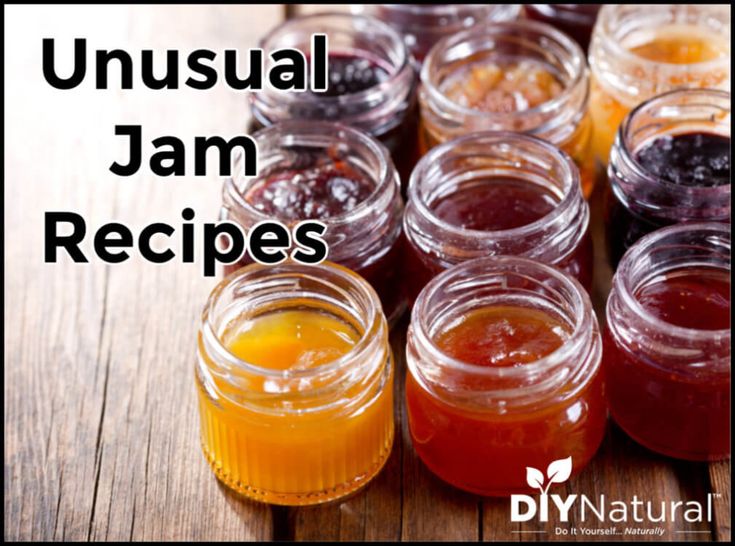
(519, 76)
(640, 51)
(295, 383)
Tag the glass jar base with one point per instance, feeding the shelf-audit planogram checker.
(338, 492)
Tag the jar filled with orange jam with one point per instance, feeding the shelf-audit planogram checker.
(504, 373)
(295, 382)
(521, 76)
(639, 51)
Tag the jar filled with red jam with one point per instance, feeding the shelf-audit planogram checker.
(371, 82)
(670, 164)
(576, 20)
(422, 25)
(519, 76)
(504, 374)
(497, 193)
(639, 51)
(667, 343)
(339, 176)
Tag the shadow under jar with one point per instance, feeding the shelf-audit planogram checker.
(667, 342)
(495, 193)
(504, 373)
(520, 76)
(371, 83)
(339, 176)
(642, 50)
(295, 383)
(670, 164)
(422, 25)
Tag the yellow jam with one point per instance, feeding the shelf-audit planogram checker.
(673, 45)
(327, 445)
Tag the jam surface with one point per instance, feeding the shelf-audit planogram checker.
(679, 44)
(322, 188)
(292, 339)
(497, 204)
(694, 159)
(349, 73)
(504, 86)
(503, 336)
(695, 299)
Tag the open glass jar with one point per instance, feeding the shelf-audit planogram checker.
(339, 176)
(670, 164)
(495, 193)
(641, 50)
(504, 373)
(422, 25)
(288, 418)
(371, 82)
(667, 342)
(520, 76)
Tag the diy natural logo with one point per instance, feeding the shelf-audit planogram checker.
(526, 507)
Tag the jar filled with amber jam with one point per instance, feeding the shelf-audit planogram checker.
(639, 51)
(295, 382)
(520, 76)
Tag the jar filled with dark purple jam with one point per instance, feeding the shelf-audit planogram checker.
(371, 83)
(339, 176)
(670, 164)
(575, 20)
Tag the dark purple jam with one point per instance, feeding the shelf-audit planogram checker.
(694, 159)
(320, 188)
(352, 74)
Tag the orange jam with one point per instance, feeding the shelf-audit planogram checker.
(300, 428)
(666, 58)
(487, 451)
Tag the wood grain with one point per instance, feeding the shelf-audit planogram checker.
(101, 424)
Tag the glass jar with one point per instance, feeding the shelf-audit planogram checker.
(495, 180)
(385, 107)
(300, 434)
(363, 227)
(558, 75)
(422, 25)
(638, 200)
(576, 20)
(667, 342)
(639, 51)
(479, 427)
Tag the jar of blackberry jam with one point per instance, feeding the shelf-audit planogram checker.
(639, 51)
(335, 174)
(519, 76)
(490, 193)
(371, 82)
(670, 164)
(667, 344)
(503, 357)
(422, 25)
(576, 20)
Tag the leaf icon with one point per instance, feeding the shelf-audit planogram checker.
(534, 478)
(559, 471)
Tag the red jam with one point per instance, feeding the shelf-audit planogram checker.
(683, 412)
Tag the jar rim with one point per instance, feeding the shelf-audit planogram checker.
(626, 127)
(431, 158)
(367, 337)
(327, 130)
(581, 313)
(371, 94)
(603, 32)
(623, 286)
(570, 47)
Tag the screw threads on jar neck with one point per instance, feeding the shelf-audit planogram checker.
(512, 281)
(490, 155)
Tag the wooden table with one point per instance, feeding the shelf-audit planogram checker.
(101, 424)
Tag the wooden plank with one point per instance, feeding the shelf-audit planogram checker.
(100, 411)
(719, 476)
